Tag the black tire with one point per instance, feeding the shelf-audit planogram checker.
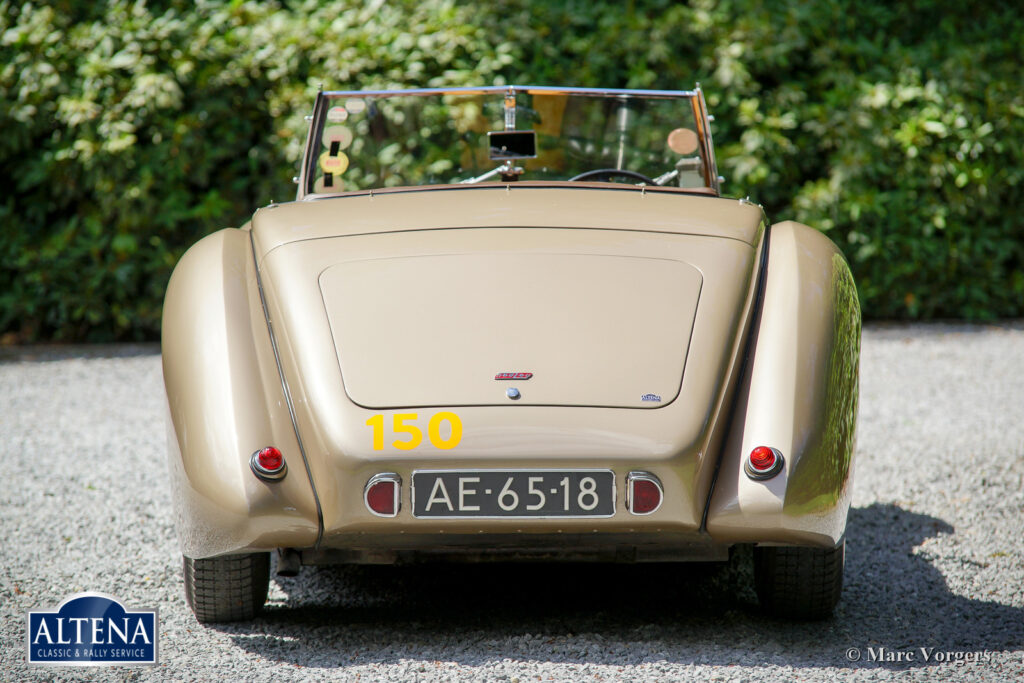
(231, 588)
(797, 582)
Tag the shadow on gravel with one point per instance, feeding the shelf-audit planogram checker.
(624, 615)
(926, 330)
(42, 353)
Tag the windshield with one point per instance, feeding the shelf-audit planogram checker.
(369, 140)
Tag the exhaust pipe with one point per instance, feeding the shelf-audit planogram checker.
(289, 562)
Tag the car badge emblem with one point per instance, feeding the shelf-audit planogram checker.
(651, 397)
(513, 375)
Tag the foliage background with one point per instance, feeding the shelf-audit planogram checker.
(131, 129)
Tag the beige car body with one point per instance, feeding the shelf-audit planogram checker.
(302, 326)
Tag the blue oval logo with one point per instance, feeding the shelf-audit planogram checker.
(92, 628)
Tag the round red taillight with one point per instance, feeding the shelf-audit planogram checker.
(268, 464)
(381, 494)
(762, 458)
(763, 462)
(270, 459)
(644, 493)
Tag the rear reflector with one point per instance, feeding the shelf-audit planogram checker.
(382, 494)
(643, 493)
(763, 462)
(268, 464)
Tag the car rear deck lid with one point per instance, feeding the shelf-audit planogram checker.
(587, 330)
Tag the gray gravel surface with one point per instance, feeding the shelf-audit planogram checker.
(935, 560)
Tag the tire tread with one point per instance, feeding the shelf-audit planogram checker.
(799, 582)
(230, 588)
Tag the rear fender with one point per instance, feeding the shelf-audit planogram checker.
(798, 394)
(225, 401)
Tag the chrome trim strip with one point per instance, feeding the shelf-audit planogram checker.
(307, 171)
(287, 395)
(745, 353)
(703, 119)
(507, 89)
(391, 477)
(634, 477)
(412, 492)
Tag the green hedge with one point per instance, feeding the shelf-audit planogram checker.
(132, 129)
(895, 127)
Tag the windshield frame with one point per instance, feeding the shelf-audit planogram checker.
(695, 99)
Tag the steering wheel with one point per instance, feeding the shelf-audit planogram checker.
(608, 173)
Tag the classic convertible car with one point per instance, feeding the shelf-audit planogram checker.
(511, 323)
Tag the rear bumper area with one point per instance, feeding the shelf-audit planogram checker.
(349, 521)
(517, 547)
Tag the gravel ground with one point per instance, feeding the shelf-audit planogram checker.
(935, 562)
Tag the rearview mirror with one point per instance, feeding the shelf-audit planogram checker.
(512, 144)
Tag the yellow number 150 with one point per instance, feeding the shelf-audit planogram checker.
(415, 434)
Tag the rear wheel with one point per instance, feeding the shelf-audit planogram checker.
(799, 582)
(230, 588)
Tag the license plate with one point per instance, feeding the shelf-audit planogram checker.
(513, 493)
